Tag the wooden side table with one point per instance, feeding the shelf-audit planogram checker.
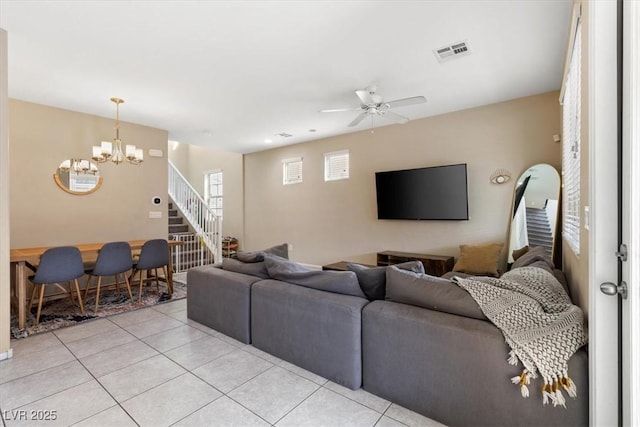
(435, 265)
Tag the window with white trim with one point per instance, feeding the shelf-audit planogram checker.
(292, 171)
(336, 165)
(571, 100)
(213, 190)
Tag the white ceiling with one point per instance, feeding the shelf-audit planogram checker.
(230, 74)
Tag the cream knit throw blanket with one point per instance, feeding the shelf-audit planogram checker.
(539, 322)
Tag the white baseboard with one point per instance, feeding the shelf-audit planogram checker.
(7, 354)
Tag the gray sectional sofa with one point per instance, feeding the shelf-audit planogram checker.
(435, 354)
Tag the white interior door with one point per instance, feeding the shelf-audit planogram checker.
(603, 219)
(631, 213)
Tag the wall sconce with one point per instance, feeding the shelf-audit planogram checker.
(500, 176)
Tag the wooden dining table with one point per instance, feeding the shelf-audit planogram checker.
(24, 260)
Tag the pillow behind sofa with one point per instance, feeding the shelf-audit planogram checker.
(373, 280)
(257, 269)
(430, 292)
(339, 282)
(281, 251)
(479, 259)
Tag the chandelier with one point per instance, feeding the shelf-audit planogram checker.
(79, 166)
(113, 151)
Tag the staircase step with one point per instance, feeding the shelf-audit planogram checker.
(176, 220)
(182, 228)
(173, 212)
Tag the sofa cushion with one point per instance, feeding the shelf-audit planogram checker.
(257, 269)
(373, 280)
(534, 254)
(430, 292)
(479, 259)
(258, 256)
(340, 282)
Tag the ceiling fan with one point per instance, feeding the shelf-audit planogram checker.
(372, 104)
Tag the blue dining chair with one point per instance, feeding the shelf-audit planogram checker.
(153, 255)
(114, 258)
(57, 265)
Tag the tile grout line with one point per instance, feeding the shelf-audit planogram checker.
(102, 386)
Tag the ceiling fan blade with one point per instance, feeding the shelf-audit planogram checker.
(407, 101)
(336, 110)
(395, 117)
(358, 119)
(365, 96)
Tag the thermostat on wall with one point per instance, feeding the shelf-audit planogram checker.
(156, 200)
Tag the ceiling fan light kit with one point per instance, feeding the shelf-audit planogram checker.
(372, 104)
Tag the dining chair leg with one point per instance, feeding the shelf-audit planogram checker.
(117, 284)
(98, 294)
(140, 287)
(70, 293)
(78, 295)
(155, 271)
(126, 281)
(40, 304)
(33, 294)
(169, 283)
(86, 289)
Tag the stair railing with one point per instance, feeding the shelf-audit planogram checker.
(195, 210)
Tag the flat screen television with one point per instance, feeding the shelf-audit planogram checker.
(432, 193)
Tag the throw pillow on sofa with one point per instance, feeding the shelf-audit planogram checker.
(430, 292)
(281, 251)
(517, 253)
(373, 280)
(257, 269)
(479, 259)
(339, 282)
(534, 254)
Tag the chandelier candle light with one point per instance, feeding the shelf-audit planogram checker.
(113, 151)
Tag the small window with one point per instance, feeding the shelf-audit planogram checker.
(213, 189)
(336, 165)
(292, 171)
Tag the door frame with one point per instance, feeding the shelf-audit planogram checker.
(631, 205)
(602, 220)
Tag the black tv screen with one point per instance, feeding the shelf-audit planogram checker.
(433, 193)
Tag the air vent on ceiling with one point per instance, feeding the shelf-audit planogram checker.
(284, 135)
(452, 51)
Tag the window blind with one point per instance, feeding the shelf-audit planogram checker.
(292, 171)
(571, 148)
(336, 165)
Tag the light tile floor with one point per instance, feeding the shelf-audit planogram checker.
(155, 367)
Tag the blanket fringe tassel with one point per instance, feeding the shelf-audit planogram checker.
(522, 380)
(551, 390)
(513, 359)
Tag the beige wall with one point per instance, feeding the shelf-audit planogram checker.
(332, 221)
(5, 288)
(43, 215)
(193, 161)
(575, 266)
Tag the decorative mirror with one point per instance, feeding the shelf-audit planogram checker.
(78, 176)
(535, 209)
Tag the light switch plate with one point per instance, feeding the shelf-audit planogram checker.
(154, 152)
(155, 214)
(586, 217)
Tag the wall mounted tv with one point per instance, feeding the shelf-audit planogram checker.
(432, 193)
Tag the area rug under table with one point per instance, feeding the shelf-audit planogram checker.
(62, 312)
